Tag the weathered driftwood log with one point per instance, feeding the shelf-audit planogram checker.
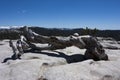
(13, 47)
(55, 42)
(16, 54)
(94, 48)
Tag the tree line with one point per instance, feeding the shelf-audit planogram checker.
(14, 33)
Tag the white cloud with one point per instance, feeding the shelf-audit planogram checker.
(22, 11)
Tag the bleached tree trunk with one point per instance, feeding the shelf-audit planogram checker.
(55, 42)
(94, 48)
(13, 47)
(17, 50)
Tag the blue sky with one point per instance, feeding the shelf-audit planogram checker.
(101, 14)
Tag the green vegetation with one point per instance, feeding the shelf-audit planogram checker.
(14, 33)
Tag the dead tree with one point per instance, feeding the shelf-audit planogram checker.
(55, 42)
(94, 49)
(15, 50)
(13, 47)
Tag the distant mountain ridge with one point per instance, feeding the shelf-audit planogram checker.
(13, 32)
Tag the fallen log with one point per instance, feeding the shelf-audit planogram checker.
(94, 49)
